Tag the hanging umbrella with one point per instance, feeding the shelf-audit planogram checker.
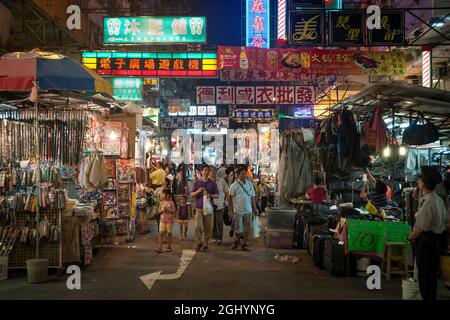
(19, 70)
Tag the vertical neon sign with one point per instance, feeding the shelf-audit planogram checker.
(258, 23)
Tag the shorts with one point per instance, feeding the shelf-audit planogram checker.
(183, 221)
(166, 227)
(242, 222)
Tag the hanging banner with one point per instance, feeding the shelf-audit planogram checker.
(300, 62)
(347, 28)
(306, 28)
(151, 30)
(266, 76)
(392, 32)
(258, 23)
(206, 95)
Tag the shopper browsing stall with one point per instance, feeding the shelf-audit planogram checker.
(158, 175)
(378, 197)
(430, 224)
(167, 210)
(204, 189)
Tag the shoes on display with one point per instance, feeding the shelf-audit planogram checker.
(205, 249)
(199, 247)
(158, 250)
(214, 241)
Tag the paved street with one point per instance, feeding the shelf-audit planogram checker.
(220, 274)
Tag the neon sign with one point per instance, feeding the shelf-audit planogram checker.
(258, 23)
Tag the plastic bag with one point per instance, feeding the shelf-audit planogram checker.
(256, 227)
(207, 206)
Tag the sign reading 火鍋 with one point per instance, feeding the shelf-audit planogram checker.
(347, 28)
(306, 28)
(160, 64)
(371, 236)
(142, 30)
(258, 23)
(392, 30)
(262, 95)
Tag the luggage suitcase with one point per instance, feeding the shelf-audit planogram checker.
(312, 231)
(318, 249)
(279, 239)
(328, 255)
(281, 218)
(339, 259)
(299, 232)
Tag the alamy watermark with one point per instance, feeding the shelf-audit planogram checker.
(74, 280)
(228, 146)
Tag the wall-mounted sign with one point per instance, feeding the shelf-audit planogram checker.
(392, 30)
(258, 23)
(179, 106)
(161, 64)
(262, 95)
(127, 88)
(346, 28)
(306, 28)
(151, 85)
(293, 64)
(303, 112)
(253, 115)
(151, 30)
(152, 114)
(172, 123)
(306, 3)
(193, 111)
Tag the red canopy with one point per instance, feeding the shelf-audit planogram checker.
(17, 75)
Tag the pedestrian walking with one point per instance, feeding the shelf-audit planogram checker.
(204, 189)
(167, 210)
(184, 213)
(241, 205)
(220, 205)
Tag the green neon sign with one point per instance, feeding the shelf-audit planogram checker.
(127, 88)
(141, 30)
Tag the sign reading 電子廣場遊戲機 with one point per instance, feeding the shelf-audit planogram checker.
(142, 30)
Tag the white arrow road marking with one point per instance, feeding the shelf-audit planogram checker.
(150, 279)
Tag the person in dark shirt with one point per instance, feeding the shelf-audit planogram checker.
(378, 196)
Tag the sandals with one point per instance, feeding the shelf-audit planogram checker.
(169, 250)
(158, 250)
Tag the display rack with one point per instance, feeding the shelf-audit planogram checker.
(48, 250)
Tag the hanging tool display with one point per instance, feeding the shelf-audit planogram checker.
(61, 135)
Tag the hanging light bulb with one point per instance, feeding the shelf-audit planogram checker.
(387, 152)
(113, 135)
(402, 151)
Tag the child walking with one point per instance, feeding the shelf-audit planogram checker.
(183, 216)
(167, 210)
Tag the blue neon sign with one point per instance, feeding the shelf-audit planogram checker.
(258, 23)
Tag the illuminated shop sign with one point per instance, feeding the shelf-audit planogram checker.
(127, 88)
(201, 111)
(160, 64)
(258, 23)
(142, 30)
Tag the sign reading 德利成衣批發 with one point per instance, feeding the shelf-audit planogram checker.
(141, 30)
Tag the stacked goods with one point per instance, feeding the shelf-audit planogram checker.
(8, 237)
(280, 228)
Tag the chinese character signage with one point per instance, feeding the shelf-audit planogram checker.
(347, 28)
(181, 106)
(151, 85)
(392, 30)
(300, 64)
(303, 112)
(143, 30)
(225, 95)
(171, 123)
(161, 64)
(194, 111)
(127, 88)
(253, 115)
(258, 23)
(306, 28)
(263, 95)
(206, 95)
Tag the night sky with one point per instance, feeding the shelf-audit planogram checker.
(223, 20)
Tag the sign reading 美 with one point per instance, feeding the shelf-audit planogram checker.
(160, 64)
(142, 30)
(258, 23)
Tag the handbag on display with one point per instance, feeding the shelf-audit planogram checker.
(417, 134)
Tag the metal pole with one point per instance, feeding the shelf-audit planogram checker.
(38, 179)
